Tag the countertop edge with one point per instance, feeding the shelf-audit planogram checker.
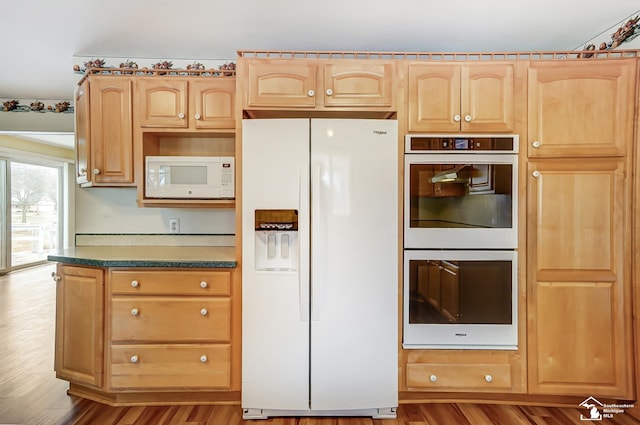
(142, 263)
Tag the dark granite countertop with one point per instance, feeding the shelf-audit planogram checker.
(149, 256)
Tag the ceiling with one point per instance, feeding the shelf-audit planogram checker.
(43, 38)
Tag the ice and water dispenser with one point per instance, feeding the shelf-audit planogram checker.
(276, 240)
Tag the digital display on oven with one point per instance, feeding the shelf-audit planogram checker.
(461, 144)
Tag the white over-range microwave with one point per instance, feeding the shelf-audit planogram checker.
(190, 177)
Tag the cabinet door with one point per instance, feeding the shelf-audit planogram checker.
(487, 97)
(358, 83)
(111, 156)
(578, 279)
(281, 83)
(434, 97)
(581, 108)
(79, 325)
(83, 130)
(213, 103)
(162, 102)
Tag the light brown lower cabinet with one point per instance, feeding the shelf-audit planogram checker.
(162, 366)
(139, 335)
(579, 286)
(459, 377)
(79, 324)
(463, 372)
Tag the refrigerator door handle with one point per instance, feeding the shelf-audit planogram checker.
(318, 259)
(303, 257)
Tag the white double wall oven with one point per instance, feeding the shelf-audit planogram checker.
(460, 241)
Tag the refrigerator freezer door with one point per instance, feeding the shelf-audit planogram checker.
(275, 303)
(354, 264)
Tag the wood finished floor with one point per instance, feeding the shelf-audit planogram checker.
(31, 395)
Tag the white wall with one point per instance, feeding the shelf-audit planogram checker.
(114, 210)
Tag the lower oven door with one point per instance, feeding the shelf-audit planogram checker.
(460, 299)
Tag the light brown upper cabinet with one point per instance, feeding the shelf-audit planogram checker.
(82, 133)
(578, 278)
(318, 84)
(197, 103)
(581, 108)
(475, 97)
(104, 132)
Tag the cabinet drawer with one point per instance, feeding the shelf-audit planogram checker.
(459, 377)
(170, 282)
(178, 319)
(170, 366)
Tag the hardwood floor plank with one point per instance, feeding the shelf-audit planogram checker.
(31, 395)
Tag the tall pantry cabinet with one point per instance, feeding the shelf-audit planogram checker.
(580, 134)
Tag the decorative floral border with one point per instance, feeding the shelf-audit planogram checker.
(162, 67)
(14, 105)
(125, 67)
(627, 32)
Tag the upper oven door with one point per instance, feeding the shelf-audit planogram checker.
(460, 201)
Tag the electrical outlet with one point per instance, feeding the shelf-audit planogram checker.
(174, 225)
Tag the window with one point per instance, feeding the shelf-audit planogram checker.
(31, 201)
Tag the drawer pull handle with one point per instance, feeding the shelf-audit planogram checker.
(203, 284)
(134, 284)
(134, 311)
(433, 378)
(203, 359)
(467, 118)
(488, 378)
(536, 144)
(203, 312)
(134, 359)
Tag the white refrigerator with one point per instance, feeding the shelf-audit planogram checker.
(319, 267)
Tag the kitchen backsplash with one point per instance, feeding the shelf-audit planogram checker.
(130, 239)
(114, 211)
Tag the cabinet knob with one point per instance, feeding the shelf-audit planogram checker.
(181, 115)
(198, 116)
(433, 378)
(467, 118)
(203, 312)
(134, 283)
(134, 311)
(536, 144)
(329, 92)
(203, 359)
(96, 171)
(203, 284)
(83, 171)
(311, 93)
(456, 118)
(134, 359)
(536, 173)
(55, 276)
(488, 378)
